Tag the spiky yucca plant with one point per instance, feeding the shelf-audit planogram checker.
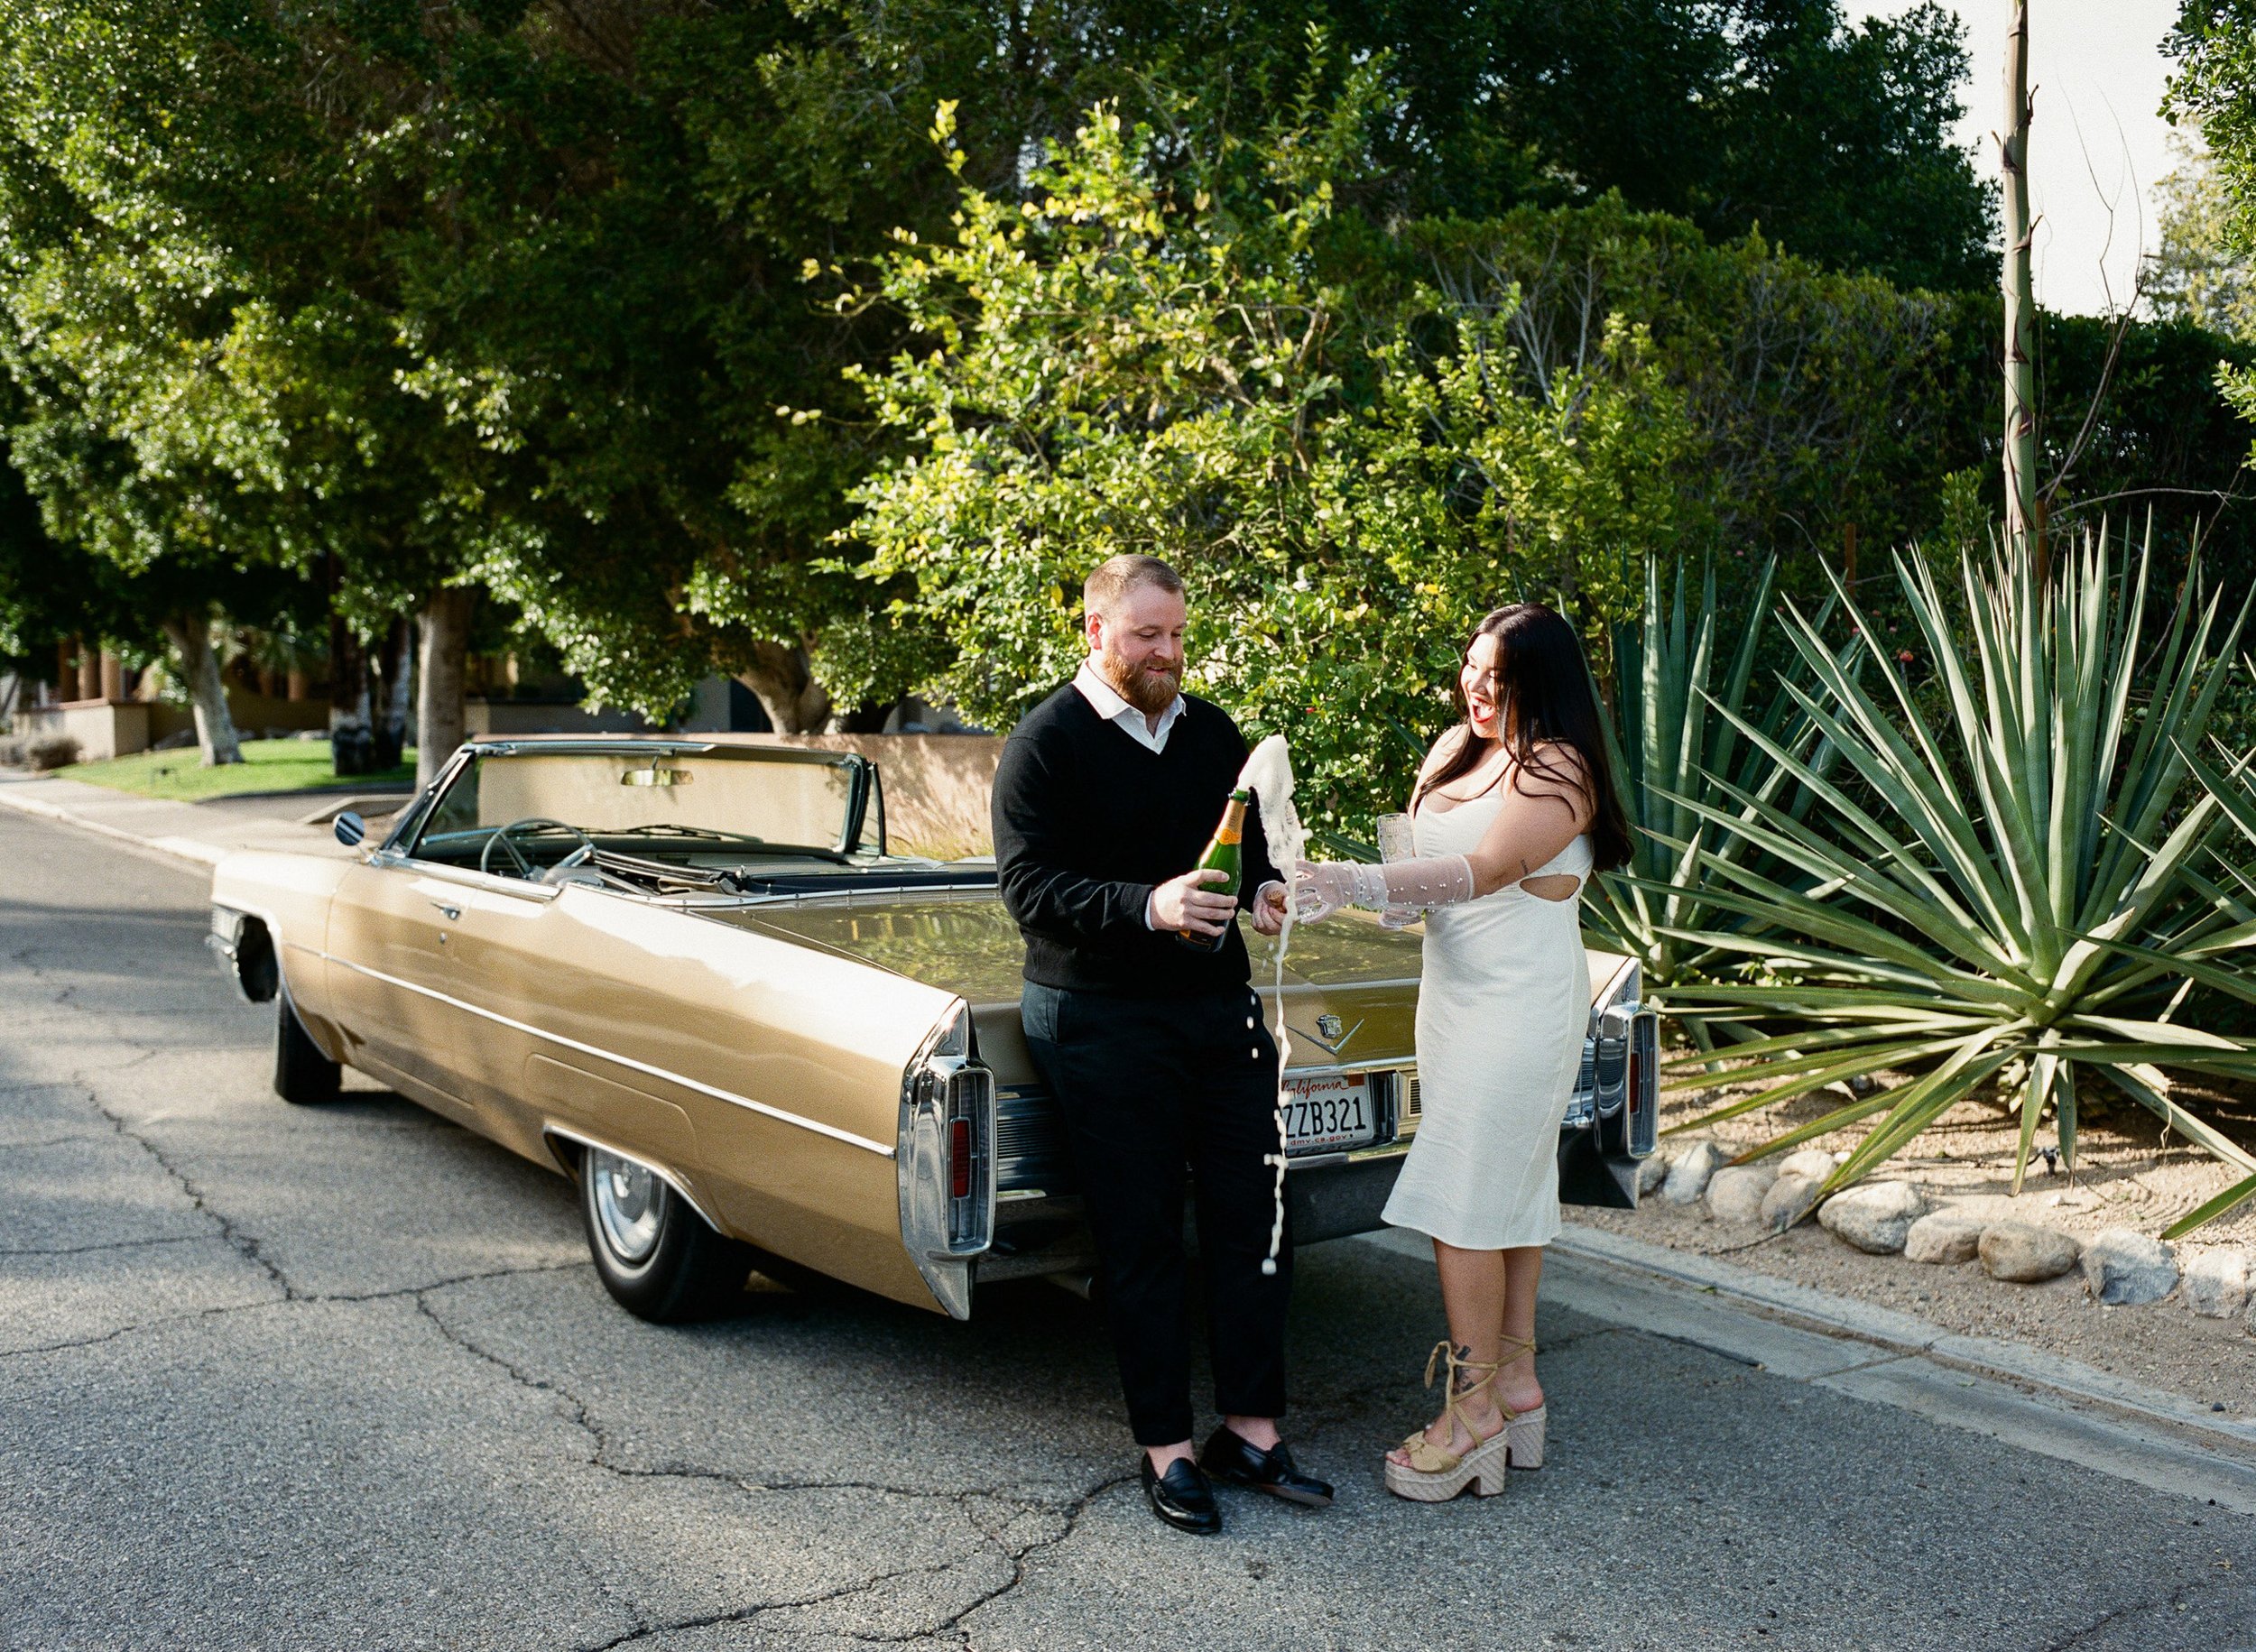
(2215, 959)
(1671, 726)
(2008, 894)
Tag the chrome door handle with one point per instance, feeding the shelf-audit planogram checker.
(448, 910)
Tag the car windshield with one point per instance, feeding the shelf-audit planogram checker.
(688, 807)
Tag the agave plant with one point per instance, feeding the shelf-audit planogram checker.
(1671, 730)
(2210, 959)
(2013, 894)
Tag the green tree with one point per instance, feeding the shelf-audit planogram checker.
(1834, 140)
(53, 586)
(194, 271)
(1151, 358)
(2214, 88)
(2197, 274)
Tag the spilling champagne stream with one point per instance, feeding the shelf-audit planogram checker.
(1268, 775)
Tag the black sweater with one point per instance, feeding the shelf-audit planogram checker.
(1087, 821)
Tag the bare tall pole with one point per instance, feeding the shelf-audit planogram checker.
(2024, 519)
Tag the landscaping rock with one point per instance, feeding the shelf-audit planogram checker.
(1688, 1175)
(1734, 1193)
(2125, 1267)
(1875, 1217)
(1651, 1173)
(2215, 1285)
(1813, 1162)
(1788, 1201)
(2026, 1254)
(1944, 1236)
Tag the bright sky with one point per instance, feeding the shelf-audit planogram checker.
(2097, 141)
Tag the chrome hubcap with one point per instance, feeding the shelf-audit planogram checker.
(626, 1204)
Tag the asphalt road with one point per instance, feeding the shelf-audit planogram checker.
(340, 1376)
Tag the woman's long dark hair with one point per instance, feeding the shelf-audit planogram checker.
(1543, 695)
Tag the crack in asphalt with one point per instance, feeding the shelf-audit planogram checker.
(2175, 1598)
(243, 1244)
(303, 1299)
(1070, 1519)
(580, 1414)
(114, 1244)
(86, 1085)
(139, 1325)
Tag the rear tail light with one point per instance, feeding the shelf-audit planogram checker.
(959, 1159)
(1644, 1133)
(944, 1160)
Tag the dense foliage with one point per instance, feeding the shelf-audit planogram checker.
(2216, 89)
(509, 296)
(1137, 361)
(1356, 441)
(2197, 274)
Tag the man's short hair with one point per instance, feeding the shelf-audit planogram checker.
(1108, 585)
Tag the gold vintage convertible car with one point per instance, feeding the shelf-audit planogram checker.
(687, 973)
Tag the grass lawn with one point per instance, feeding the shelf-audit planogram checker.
(267, 765)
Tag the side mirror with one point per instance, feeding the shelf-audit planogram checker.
(350, 829)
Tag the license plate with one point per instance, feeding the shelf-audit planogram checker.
(1329, 1110)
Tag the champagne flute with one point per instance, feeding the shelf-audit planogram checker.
(1397, 842)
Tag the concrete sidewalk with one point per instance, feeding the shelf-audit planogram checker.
(180, 831)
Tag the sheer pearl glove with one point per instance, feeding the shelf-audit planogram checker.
(1321, 888)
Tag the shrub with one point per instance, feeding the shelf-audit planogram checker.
(2007, 891)
(50, 752)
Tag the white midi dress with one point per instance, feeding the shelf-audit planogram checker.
(1503, 1004)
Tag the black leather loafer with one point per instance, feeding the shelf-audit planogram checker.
(1239, 1462)
(1182, 1496)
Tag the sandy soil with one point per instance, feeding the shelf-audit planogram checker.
(2128, 1177)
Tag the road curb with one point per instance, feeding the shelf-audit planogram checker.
(2029, 1401)
(161, 834)
(2015, 1362)
(203, 856)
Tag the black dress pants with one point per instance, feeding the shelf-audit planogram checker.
(1152, 1087)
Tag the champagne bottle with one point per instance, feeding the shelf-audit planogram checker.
(1223, 854)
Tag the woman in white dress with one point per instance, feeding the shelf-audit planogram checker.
(1514, 808)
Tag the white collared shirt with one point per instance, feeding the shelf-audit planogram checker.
(1109, 706)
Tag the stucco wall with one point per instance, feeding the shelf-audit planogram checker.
(104, 729)
(937, 786)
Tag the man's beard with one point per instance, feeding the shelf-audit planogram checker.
(1150, 688)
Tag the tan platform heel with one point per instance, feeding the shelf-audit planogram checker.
(1434, 1475)
(1523, 1430)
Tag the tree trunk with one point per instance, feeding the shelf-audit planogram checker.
(782, 677)
(348, 668)
(399, 679)
(444, 626)
(191, 635)
(2024, 531)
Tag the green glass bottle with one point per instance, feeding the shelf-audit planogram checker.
(1224, 853)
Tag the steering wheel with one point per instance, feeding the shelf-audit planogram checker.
(504, 838)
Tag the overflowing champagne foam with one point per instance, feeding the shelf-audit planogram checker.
(1268, 775)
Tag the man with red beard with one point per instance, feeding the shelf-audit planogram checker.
(1156, 1050)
